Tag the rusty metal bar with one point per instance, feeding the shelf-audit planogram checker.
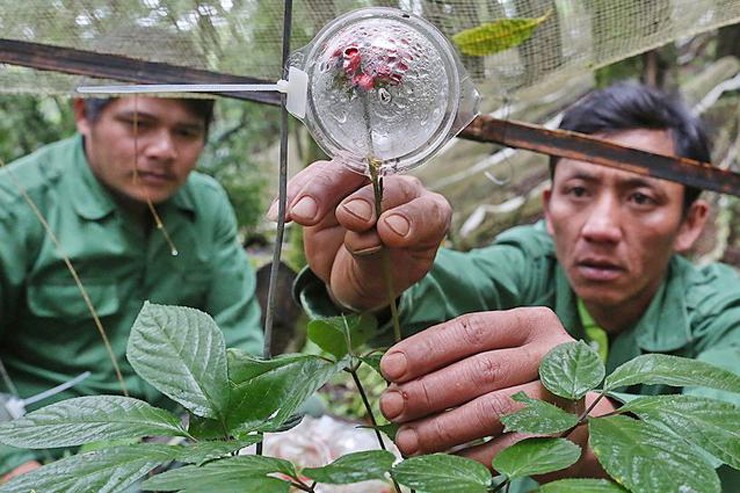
(582, 147)
(122, 68)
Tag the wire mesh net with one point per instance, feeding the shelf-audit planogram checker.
(244, 37)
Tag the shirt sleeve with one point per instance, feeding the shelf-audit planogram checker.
(232, 300)
(11, 457)
(724, 353)
(491, 278)
(13, 261)
(500, 276)
(715, 308)
(12, 265)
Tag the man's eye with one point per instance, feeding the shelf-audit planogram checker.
(642, 199)
(577, 191)
(189, 133)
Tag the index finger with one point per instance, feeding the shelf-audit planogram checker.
(318, 189)
(467, 335)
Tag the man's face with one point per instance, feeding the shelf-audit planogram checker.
(615, 231)
(142, 148)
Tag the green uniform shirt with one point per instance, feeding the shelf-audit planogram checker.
(47, 335)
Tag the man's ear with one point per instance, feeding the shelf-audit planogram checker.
(80, 112)
(546, 196)
(692, 226)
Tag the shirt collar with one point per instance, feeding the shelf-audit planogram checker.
(96, 202)
(183, 200)
(664, 326)
(91, 201)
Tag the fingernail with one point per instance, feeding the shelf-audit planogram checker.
(407, 441)
(399, 224)
(393, 365)
(392, 404)
(304, 209)
(359, 208)
(272, 212)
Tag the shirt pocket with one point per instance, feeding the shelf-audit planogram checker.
(66, 300)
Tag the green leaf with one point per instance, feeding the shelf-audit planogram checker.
(676, 371)
(578, 485)
(342, 335)
(390, 430)
(373, 360)
(497, 36)
(234, 474)
(571, 370)
(88, 419)
(353, 468)
(643, 457)
(227, 484)
(207, 429)
(181, 352)
(538, 417)
(101, 471)
(442, 473)
(273, 389)
(711, 424)
(538, 455)
(202, 452)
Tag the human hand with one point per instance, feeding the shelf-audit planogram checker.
(22, 469)
(452, 383)
(343, 238)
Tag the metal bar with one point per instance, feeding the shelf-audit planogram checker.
(582, 147)
(118, 67)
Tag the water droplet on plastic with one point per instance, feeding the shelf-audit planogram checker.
(384, 96)
(340, 116)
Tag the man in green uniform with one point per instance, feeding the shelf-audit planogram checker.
(124, 205)
(604, 266)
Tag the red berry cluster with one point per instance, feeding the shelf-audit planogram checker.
(371, 72)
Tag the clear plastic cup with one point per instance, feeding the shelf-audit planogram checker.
(384, 85)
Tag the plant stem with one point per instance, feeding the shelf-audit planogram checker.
(366, 403)
(374, 165)
(371, 415)
(377, 181)
(585, 414)
(302, 486)
(501, 486)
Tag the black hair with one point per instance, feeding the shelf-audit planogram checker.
(201, 107)
(627, 106)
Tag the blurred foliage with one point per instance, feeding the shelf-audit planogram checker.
(27, 123)
(242, 131)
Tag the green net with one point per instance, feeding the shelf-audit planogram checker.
(244, 37)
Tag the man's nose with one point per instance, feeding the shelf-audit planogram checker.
(162, 145)
(603, 223)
